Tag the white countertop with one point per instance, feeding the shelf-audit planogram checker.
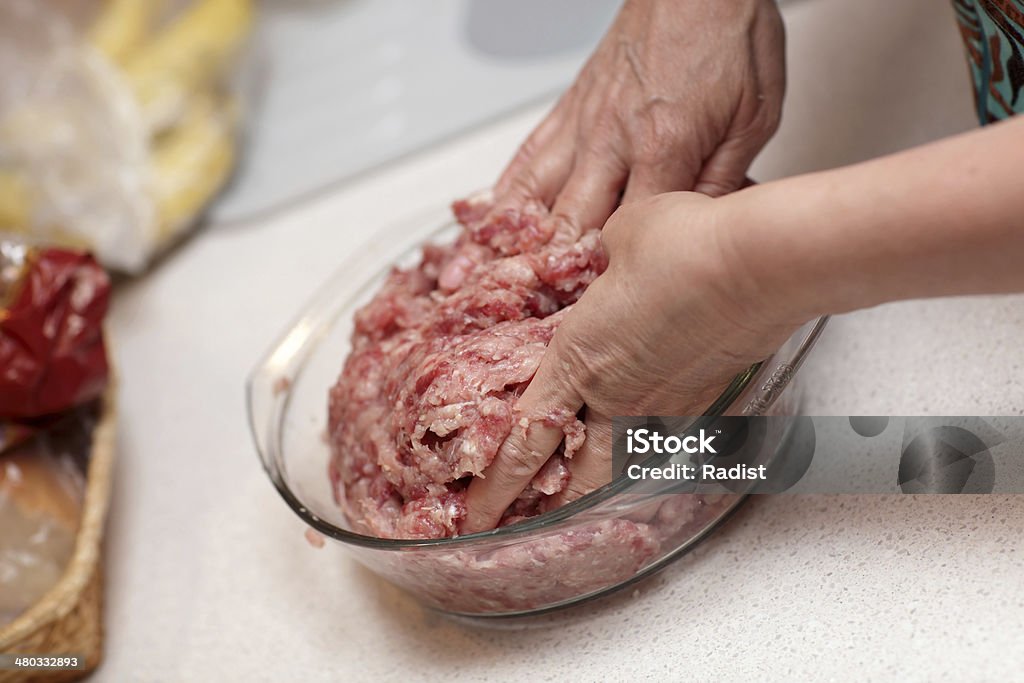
(210, 578)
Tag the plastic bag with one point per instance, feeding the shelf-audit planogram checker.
(118, 119)
(42, 486)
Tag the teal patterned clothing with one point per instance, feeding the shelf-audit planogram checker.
(993, 31)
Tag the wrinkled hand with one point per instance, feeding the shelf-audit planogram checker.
(662, 332)
(679, 95)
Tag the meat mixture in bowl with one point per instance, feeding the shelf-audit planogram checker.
(428, 394)
(438, 359)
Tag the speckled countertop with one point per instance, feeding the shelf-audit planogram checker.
(209, 576)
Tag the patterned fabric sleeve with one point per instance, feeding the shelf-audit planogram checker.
(993, 33)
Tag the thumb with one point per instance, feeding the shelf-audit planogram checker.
(543, 413)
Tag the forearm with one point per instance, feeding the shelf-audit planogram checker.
(943, 219)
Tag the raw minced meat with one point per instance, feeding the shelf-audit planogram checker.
(439, 357)
(558, 564)
(428, 394)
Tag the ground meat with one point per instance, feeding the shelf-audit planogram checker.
(439, 357)
(428, 394)
(546, 568)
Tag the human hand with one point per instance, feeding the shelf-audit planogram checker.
(661, 332)
(697, 289)
(679, 95)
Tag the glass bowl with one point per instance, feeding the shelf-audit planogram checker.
(606, 540)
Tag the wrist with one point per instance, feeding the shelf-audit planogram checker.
(911, 225)
(764, 231)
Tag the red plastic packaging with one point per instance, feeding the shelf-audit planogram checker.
(52, 352)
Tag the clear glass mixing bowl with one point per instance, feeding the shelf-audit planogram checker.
(606, 540)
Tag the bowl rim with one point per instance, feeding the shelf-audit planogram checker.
(268, 449)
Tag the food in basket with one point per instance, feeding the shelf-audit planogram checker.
(40, 504)
(53, 370)
(52, 352)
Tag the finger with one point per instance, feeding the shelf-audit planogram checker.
(543, 162)
(589, 196)
(539, 179)
(726, 170)
(590, 467)
(531, 443)
(649, 179)
(537, 140)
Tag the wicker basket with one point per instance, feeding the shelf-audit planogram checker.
(68, 619)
